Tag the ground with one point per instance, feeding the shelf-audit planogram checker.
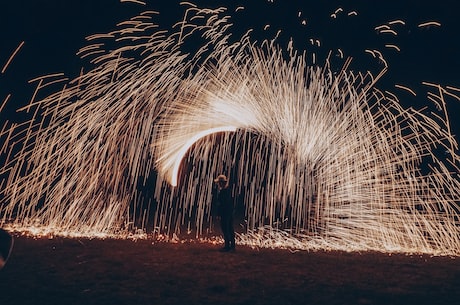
(82, 271)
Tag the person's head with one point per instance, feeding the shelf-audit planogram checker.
(221, 181)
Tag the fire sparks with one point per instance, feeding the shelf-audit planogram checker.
(319, 158)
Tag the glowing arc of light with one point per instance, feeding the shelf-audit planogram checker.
(181, 153)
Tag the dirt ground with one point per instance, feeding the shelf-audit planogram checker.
(84, 272)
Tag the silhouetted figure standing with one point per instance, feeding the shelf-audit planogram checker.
(225, 208)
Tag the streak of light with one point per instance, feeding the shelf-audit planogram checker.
(134, 1)
(340, 52)
(392, 46)
(406, 88)
(4, 102)
(382, 27)
(12, 56)
(388, 31)
(453, 88)
(429, 23)
(370, 52)
(398, 21)
(430, 84)
(181, 153)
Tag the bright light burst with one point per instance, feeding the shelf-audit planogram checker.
(319, 158)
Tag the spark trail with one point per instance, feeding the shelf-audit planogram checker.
(319, 158)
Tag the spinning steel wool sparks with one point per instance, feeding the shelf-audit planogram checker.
(319, 158)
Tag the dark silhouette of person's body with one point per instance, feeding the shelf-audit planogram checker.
(225, 210)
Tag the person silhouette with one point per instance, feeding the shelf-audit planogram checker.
(225, 209)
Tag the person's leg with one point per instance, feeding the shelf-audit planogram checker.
(225, 232)
(231, 233)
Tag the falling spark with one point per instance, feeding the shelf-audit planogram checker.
(457, 97)
(340, 53)
(453, 88)
(338, 10)
(377, 54)
(429, 23)
(11, 57)
(392, 46)
(382, 27)
(388, 31)
(430, 84)
(370, 52)
(4, 102)
(398, 21)
(406, 88)
(134, 1)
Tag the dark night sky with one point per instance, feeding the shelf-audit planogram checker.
(54, 30)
